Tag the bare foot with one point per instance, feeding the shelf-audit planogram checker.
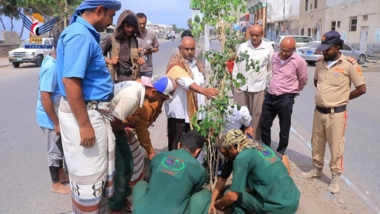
(60, 189)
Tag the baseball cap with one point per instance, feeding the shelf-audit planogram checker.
(328, 39)
(162, 84)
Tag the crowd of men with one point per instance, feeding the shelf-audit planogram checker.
(96, 102)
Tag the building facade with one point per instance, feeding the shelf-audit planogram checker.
(312, 18)
(356, 21)
(278, 17)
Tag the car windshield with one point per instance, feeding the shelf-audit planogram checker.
(25, 42)
(311, 45)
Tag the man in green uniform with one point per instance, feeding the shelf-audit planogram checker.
(261, 183)
(183, 172)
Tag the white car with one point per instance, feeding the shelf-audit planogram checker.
(27, 55)
(300, 40)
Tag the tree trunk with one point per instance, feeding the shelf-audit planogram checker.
(2, 23)
(65, 17)
(12, 39)
(22, 30)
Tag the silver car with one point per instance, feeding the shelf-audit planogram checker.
(311, 55)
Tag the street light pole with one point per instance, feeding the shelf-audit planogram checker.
(283, 22)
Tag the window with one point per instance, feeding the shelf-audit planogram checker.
(302, 31)
(311, 6)
(309, 31)
(306, 4)
(338, 24)
(333, 25)
(346, 47)
(365, 17)
(353, 23)
(315, 4)
(46, 42)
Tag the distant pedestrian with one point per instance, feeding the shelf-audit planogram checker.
(124, 60)
(289, 77)
(333, 77)
(86, 86)
(47, 118)
(148, 44)
(252, 93)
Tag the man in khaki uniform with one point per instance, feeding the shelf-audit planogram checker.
(333, 76)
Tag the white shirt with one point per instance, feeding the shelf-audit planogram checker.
(177, 106)
(129, 95)
(255, 81)
(237, 119)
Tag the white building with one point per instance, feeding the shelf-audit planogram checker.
(278, 17)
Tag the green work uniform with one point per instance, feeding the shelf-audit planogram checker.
(175, 186)
(124, 171)
(272, 189)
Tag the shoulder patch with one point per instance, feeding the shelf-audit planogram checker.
(359, 71)
(351, 60)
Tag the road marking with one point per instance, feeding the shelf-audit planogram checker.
(344, 178)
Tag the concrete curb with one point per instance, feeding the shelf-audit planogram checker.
(5, 65)
(373, 61)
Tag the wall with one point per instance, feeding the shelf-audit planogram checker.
(356, 8)
(312, 18)
(4, 49)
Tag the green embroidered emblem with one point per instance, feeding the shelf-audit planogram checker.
(173, 166)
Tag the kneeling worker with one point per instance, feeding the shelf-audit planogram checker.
(261, 183)
(176, 181)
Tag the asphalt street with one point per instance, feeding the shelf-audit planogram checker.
(23, 161)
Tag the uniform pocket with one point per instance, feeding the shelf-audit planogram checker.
(336, 78)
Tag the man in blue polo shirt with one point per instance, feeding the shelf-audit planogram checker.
(46, 112)
(84, 115)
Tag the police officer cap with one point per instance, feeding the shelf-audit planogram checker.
(328, 39)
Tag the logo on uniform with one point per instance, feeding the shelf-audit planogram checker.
(323, 38)
(173, 166)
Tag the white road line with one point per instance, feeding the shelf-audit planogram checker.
(344, 178)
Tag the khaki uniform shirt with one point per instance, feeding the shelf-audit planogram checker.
(334, 83)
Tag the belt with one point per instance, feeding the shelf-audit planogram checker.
(109, 98)
(328, 110)
(124, 72)
(283, 95)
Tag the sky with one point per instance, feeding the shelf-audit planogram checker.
(159, 12)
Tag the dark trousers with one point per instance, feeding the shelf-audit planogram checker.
(176, 129)
(282, 106)
(124, 171)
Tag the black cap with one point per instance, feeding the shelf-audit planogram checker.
(328, 39)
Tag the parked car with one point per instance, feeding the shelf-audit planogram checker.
(169, 37)
(269, 41)
(24, 55)
(311, 55)
(300, 40)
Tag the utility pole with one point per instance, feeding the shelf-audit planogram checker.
(283, 22)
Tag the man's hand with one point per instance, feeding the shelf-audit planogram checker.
(249, 130)
(212, 209)
(140, 50)
(218, 205)
(114, 60)
(151, 155)
(211, 92)
(87, 135)
(133, 123)
(57, 130)
(140, 61)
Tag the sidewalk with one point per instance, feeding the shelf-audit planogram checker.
(314, 197)
(4, 62)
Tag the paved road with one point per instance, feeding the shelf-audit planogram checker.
(24, 173)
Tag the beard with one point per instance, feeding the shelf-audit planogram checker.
(330, 57)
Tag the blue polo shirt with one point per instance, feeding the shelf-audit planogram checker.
(79, 55)
(47, 83)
